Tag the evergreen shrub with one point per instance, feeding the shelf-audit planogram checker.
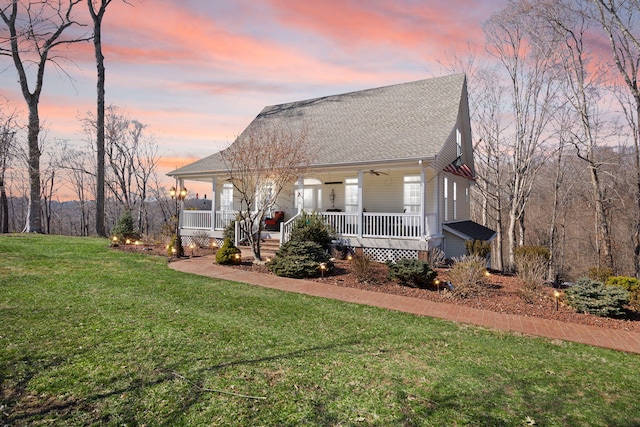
(593, 297)
(227, 253)
(311, 227)
(299, 260)
(125, 227)
(412, 272)
(631, 285)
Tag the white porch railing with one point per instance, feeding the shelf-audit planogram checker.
(199, 220)
(366, 224)
(285, 229)
(375, 224)
(400, 226)
(224, 218)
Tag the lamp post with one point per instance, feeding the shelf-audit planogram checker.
(178, 196)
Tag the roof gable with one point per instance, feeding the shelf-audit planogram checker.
(393, 123)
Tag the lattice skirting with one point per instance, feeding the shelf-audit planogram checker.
(200, 241)
(389, 254)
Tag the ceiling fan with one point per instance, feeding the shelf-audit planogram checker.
(377, 173)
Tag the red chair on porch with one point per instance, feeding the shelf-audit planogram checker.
(273, 224)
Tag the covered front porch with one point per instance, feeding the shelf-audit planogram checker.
(345, 224)
(395, 207)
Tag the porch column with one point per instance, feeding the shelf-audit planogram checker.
(360, 204)
(423, 198)
(436, 228)
(180, 216)
(214, 198)
(300, 195)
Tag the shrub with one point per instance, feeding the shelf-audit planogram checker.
(631, 285)
(227, 253)
(125, 227)
(201, 239)
(362, 267)
(230, 231)
(531, 270)
(593, 297)
(538, 251)
(468, 275)
(411, 272)
(311, 227)
(299, 260)
(600, 274)
(436, 257)
(480, 248)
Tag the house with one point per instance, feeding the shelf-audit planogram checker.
(392, 170)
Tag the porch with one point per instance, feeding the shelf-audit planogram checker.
(408, 226)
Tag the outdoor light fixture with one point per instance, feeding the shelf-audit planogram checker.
(114, 238)
(323, 267)
(349, 257)
(178, 196)
(556, 294)
(437, 282)
(128, 242)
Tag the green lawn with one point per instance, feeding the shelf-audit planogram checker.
(92, 336)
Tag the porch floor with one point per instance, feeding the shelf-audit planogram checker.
(591, 335)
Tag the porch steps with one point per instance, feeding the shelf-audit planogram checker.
(268, 248)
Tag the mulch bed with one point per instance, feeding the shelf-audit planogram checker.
(501, 295)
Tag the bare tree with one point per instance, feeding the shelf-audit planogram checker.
(584, 80)
(621, 22)
(97, 9)
(261, 163)
(132, 157)
(491, 155)
(34, 29)
(530, 68)
(8, 129)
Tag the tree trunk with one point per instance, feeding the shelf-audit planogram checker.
(606, 252)
(34, 216)
(4, 205)
(100, 198)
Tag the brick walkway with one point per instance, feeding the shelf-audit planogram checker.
(591, 335)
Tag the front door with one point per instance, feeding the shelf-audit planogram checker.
(312, 198)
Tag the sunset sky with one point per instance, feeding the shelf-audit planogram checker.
(198, 71)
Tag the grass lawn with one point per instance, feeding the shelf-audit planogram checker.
(91, 336)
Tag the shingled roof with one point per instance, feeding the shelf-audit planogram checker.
(403, 122)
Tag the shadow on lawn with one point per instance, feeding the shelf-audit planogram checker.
(19, 406)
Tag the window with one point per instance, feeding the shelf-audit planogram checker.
(351, 195)
(458, 143)
(446, 199)
(412, 194)
(226, 198)
(455, 200)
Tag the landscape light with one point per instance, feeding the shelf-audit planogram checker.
(556, 294)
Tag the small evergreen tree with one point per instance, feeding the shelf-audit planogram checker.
(125, 227)
(227, 253)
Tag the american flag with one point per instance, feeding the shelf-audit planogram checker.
(458, 168)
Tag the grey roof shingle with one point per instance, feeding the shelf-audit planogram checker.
(470, 230)
(393, 123)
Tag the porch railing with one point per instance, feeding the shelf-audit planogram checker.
(201, 220)
(348, 224)
(375, 224)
